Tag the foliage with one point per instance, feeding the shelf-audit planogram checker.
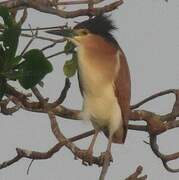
(70, 66)
(29, 69)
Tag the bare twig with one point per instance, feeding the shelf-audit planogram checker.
(24, 17)
(163, 157)
(38, 95)
(34, 35)
(8, 111)
(56, 54)
(137, 173)
(44, 38)
(78, 2)
(65, 14)
(28, 169)
(49, 46)
(22, 153)
(170, 91)
(44, 28)
(62, 95)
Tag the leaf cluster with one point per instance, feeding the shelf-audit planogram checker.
(28, 69)
(71, 65)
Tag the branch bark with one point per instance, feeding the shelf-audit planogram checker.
(47, 7)
(135, 175)
(156, 124)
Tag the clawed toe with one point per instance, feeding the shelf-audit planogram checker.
(105, 157)
(86, 156)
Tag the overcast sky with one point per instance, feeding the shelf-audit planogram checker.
(148, 33)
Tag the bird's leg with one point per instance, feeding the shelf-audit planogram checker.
(106, 156)
(87, 155)
(105, 159)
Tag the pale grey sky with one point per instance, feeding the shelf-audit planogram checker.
(148, 34)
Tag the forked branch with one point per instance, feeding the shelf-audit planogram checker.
(137, 173)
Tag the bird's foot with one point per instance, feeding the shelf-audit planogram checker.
(86, 156)
(105, 157)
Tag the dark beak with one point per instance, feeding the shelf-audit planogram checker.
(62, 32)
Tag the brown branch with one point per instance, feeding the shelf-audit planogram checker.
(38, 95)
(46, 8)
(55, 54)
(135, 175)
(44, 28)
(71, 146)
(35, 155)
(63, 94)
(12, 4)
(44, 38)
(62, 40)
(154, 96)
(34, 35)
(78, 2)
(163, 157)
(48, 46)
(156, 124)
(8, 111)
(24, 17)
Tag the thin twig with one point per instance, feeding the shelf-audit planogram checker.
(44, 38)
(63, 94)
(44, 28)
(65, 14)
(24, 17)
(28, 169)
(49, 46)
(22, 153)
(38, 95)
(78, 2)
(135, 175)
(56, 54)
(162, 93)
(34, 35)
(163, 157)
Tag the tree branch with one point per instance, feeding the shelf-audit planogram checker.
(135, 175)
(156, 124)
(47, 8)
(164, 158)
(35, 155)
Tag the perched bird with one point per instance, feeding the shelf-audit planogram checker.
(104, 78)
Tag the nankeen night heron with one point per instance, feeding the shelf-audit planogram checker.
(104, 79)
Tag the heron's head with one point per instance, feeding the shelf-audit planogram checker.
(89, 32)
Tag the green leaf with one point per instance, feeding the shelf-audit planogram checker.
(11, 33)
(34, 68)
(69, 48)
(16, 61)
(2, 57)
(5, 14)
(12, 75)
(1, 37)
(70, 66)
(11, 39)
(2, 88)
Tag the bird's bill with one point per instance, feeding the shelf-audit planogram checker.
(69, 34)
(62, 32)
